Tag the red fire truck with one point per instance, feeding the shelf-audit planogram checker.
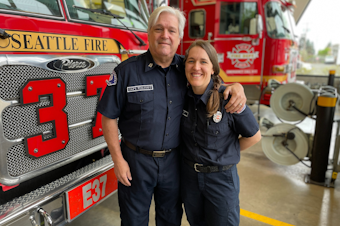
(254, 39)
(54, 63)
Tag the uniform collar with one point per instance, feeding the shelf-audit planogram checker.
(205, 96)
(150, 64)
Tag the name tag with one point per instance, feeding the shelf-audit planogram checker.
(185, 113)
(132, 89)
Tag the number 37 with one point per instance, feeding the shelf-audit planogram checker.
(55, 88)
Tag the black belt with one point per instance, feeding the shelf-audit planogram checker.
(146, 152)
(206, 169)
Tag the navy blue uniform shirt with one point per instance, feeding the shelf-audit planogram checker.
(210, 143)
(148, 101)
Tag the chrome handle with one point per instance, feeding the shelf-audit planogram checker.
(131, 51)
(46, 216)
(33, 222)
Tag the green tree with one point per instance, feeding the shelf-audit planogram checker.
(325, 51)
(310, 47)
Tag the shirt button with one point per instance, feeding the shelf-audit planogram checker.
(167, 134)
(195, 109)
(169, 118)
(217, 132)
(170, 102)
(195, 144)
(168, 84)
(141, 101)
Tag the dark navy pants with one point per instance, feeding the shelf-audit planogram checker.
(158, 176)
(211, 198)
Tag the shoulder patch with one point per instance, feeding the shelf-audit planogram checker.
(113, 79)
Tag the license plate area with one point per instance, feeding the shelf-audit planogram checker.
(81, 198)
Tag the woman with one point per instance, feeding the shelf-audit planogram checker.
(211, 143)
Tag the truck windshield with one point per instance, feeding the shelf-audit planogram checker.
(292, 25)
(277, 20)
(238, 17)
(135, 12)
(45, 7)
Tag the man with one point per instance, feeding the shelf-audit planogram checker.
(147, 94)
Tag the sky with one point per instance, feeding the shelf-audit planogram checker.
(322, 19)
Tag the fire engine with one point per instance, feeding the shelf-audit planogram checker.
(56, 56)
(255, 39)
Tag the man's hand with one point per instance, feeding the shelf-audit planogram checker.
(122, 171)
(238, 98)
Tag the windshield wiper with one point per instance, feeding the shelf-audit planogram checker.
(107, 12)
(286, 29)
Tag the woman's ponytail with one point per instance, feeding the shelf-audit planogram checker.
(213, 104)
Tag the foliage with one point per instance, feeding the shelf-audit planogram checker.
(326, 50)
(306, 48)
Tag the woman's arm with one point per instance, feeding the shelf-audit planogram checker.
(246, 142)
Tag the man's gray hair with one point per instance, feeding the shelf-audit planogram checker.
(176, 12)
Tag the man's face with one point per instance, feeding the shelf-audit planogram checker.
(164, 36)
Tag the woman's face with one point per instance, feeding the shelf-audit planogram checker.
(198, 69)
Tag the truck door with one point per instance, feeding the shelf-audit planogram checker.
(238, 41)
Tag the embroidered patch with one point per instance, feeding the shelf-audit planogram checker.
(132, 89)
(185, 113)
(112, 80)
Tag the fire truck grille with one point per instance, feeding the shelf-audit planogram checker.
(12, 78)
(21, 121)
(20, 163)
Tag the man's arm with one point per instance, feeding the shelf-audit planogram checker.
(121, 167)
(238, 98)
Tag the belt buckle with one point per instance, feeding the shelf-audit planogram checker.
(195, 167)
(157, 154)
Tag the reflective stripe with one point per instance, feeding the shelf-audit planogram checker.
(327, 101)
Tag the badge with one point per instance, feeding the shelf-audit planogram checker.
(185, 113)
(112, 80)
(217, 117)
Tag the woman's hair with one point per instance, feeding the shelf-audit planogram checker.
(176, 12)
(213, 104)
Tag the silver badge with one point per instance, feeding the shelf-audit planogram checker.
(185, 113)
(217, 117)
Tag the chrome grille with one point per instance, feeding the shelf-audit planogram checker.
(21, 121)
(80, 139)
(12, 78)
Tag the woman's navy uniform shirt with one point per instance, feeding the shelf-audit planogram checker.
(210, 143)
(148, 101)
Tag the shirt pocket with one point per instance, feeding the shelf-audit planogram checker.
(214, 133)
(141, 104)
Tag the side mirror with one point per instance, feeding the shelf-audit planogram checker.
(259, 25)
